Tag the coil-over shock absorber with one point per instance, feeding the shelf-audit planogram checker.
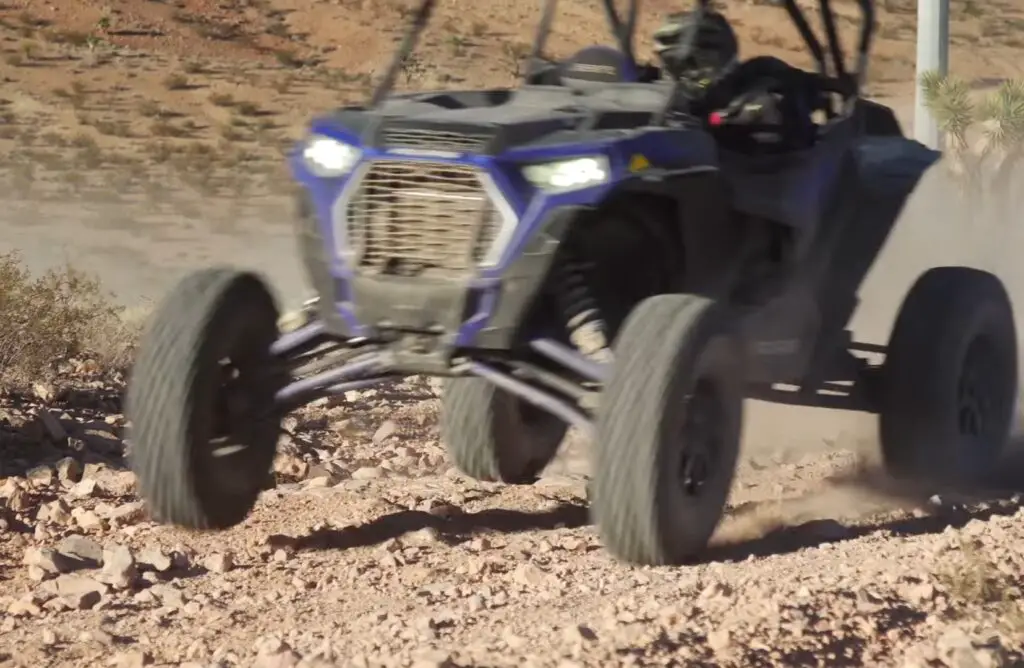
(587, 329)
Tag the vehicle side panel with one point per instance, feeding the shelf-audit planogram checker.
(793, 188)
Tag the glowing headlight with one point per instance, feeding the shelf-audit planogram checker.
(571, 174)
(329, 158)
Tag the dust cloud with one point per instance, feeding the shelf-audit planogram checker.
(937, 228)
(139, 252)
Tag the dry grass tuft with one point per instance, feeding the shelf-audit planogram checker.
(978, 583)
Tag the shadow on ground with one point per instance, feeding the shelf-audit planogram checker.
(451, 530)
(774, 533)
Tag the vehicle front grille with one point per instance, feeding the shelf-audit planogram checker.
(410, 218)
(435, 140)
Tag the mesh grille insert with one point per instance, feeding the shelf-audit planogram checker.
(417, 218)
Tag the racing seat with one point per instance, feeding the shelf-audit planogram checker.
(591, 68)
(595, 67)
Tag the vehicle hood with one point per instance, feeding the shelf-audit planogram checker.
(499, 120)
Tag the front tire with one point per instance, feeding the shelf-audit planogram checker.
(668, 430)
(201, 400)
(495, 436)
(949, 380)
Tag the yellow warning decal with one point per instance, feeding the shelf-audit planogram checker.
(639, 163)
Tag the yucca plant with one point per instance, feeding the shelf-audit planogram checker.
(983, 161)
(1003, 116)
(950, 102)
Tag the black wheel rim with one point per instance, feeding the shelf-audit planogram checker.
(538, 449)
(531, 415)
(979, 396)
(701, 438)
(235, 411)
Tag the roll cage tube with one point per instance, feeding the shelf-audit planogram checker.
(851, 81)
(412, 36)
(623, 32)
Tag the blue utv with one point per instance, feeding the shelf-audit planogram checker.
(603, 246)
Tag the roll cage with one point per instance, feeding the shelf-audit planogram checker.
(835, 75)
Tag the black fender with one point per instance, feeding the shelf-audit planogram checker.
(703, 239)
(709, 231)
(877, 119)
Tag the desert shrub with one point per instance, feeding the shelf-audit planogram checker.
(56, 317)
(984, 138)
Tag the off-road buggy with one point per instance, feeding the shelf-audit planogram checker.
(583, 251)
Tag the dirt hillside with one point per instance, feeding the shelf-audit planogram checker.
(142, 138)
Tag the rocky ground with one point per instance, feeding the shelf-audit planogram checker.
(140, 139)
(371, 551)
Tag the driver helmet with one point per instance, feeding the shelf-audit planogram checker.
(699, 47)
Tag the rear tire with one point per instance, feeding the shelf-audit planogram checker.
(668, 430)
(204, 432)
(494, 436)
(949, 381)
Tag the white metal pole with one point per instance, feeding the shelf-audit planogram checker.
(932, 55)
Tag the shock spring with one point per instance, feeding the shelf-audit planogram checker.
(586, 327)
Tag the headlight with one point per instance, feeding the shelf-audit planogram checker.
(329, 158)
(571, 174)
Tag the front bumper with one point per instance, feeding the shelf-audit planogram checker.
(435, 314)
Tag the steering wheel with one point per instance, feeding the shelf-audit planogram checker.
(745, 107)
(767, 107)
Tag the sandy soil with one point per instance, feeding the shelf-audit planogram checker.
(142, 139)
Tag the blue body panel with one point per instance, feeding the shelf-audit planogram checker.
(664, 148)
